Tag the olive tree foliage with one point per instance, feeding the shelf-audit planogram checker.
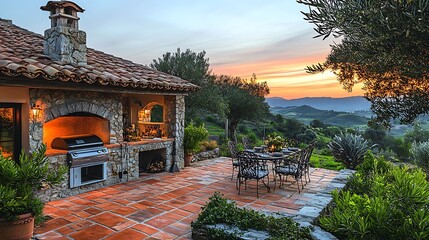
(245, 100)
(384, 45)
(195, 68)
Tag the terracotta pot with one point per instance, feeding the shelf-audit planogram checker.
(20, 229)
(188, 160)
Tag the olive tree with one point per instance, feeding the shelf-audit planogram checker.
(194, 67)
(245, 100)
(384, 45)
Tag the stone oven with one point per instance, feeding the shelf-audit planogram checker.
(54, 86)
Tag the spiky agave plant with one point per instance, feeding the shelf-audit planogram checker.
(349, 149)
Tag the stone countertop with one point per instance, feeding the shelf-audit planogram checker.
(56, 152)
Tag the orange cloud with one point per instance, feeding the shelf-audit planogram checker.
(288, 78)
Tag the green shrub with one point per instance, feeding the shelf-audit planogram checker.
(224, 150)
(208, 145)
(307, 136)
(420, 155)
(349, 149)
(383, 201)
(223, 210)
(19, 183)
(193, 137)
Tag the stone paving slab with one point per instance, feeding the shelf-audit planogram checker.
(162, 205)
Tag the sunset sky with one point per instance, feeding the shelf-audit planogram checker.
(240, 37)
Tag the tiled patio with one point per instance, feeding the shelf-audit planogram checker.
(162, 206)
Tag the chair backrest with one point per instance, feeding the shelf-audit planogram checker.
(308, 151)
(246, 142)
(249, 165)
(233, 149)
(301, 162)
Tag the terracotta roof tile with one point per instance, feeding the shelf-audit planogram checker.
(21, 54)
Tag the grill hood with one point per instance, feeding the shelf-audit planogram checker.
(74, 142)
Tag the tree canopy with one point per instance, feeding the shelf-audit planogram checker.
(195, 68)
(245, 99)
(384, 45)
(232, 97)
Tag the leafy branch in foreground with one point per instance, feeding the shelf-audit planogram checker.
(384, 46)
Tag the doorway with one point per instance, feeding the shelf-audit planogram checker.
(10, 130)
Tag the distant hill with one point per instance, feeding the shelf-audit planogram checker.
(347, 104)
(306, 114)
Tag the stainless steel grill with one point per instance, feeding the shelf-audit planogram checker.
(86, 158)
(82, 149)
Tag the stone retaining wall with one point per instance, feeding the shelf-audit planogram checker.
(205, 155)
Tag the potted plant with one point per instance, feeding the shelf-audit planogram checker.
(19, 183)
(274, 142)
(193, 137)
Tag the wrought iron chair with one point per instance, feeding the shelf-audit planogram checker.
(293, 166)
(308, 151)
(250, 167)
(234, 155)
(247, 144)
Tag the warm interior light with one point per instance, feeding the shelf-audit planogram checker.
(144, 115)
(36, 111)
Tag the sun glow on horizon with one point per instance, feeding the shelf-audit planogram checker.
(288, 79)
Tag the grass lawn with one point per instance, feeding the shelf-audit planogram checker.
(327, 162)
(214, 129)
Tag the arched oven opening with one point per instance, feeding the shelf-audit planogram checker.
(83, 136)
(78, 123)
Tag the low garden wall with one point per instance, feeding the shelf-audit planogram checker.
(206, 155)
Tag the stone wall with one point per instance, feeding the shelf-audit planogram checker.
(122, 158)
(57, 103)
(175, 119)
(66, 44)
(205, 155)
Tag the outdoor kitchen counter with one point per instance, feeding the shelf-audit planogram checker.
(55, 152)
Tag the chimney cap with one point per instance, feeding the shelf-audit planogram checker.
(51, 5)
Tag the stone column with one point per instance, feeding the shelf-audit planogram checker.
(175, 121)
(180, 129)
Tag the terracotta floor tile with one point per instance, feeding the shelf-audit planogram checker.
(122, 201)
(192, 207)
(108, 206)
(52, 211)
(91, 233)
(77, 226)
(172, 216)
(51, 225)
(181, 212)
(176, 203)
(93, 211)
(127, 234)
(125, 211)
(164, 236)
(83, 214)
(160, 222)
(162, 206)
(65, 230)
(51, 236)
(149, 230)
(180, 231)
(109, 220)
(82, 201)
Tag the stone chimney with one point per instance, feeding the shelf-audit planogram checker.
(64, 41)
